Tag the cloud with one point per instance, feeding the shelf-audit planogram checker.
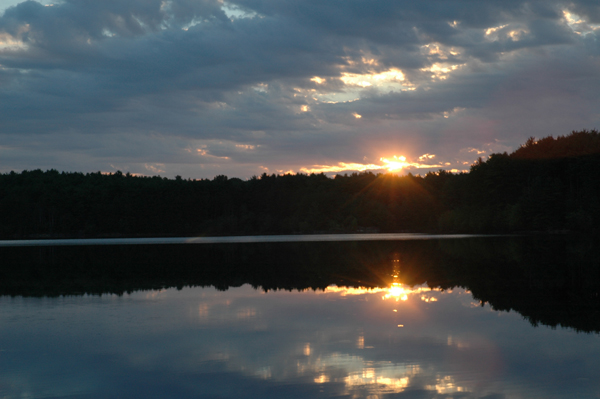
(292, 78)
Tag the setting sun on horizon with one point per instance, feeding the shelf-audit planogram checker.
(395, 164)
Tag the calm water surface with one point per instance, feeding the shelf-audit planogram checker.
(245, 343)
(234, 239)
(386, 341)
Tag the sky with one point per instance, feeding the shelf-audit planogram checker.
(200, 88)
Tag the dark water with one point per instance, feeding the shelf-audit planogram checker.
(464, 318)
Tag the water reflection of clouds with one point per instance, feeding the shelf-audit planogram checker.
(358, 372)
(336, 342)
(396, 291)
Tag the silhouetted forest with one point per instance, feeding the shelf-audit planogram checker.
(552, 280)
(547, 184)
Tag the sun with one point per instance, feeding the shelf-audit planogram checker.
(397, 163)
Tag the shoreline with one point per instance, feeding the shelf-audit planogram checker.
(239, 239)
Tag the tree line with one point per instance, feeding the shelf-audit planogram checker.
(546, 184)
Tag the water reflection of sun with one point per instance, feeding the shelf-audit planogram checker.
(401, 292)
(397, 291)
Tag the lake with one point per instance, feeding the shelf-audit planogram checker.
(473, 317)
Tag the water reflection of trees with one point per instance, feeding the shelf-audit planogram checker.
(549, 280)
(552, 282)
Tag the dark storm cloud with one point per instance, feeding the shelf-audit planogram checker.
(66, 74)
(240, 72)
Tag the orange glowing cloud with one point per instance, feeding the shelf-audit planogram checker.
(341, 167)
(394, 164)
(399, 163)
